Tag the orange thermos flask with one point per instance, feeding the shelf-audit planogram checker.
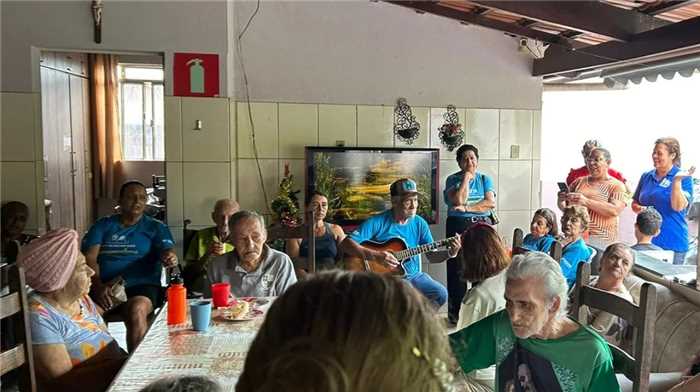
(177, 301)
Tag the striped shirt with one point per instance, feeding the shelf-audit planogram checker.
(601, 228)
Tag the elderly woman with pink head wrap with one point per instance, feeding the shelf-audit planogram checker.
(69, 338)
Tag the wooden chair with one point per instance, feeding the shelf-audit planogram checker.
(303, 231)
(518, 248)
(14, 310)
(641, 318)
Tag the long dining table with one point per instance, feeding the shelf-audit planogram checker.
(177, 350)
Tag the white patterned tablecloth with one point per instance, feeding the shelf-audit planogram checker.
(177, 350)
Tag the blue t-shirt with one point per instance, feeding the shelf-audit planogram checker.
(571, 255)
(84, 335)
(541, 244)
(132, 252)
(478, 186)
(655, 193)
(382, 227)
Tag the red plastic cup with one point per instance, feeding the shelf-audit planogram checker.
(220, 293)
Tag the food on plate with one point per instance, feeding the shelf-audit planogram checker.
(238, 310)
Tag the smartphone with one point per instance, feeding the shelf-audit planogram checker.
(563, 187)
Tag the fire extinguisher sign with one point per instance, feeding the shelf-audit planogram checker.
(196, 75)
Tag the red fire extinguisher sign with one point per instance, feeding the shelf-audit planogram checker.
(196, 75)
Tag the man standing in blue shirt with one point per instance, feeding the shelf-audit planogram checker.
(134, 247)
(402, 222)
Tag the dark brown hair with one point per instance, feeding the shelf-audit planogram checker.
(345, 331)
(673, 147)
(483, 254)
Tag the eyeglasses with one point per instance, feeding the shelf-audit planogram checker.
(596, 160)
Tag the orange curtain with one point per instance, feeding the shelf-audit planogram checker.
(104, 109)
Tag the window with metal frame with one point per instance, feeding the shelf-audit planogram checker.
(141, 112)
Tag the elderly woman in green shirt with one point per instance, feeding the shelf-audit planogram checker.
(534, 337)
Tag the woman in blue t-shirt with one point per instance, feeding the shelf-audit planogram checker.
(669, 190)
(543, 231)
(470, 196)
(574, 250)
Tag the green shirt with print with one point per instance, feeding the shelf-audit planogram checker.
(581, 360)
(200, 243)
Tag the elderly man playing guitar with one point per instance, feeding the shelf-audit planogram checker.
(392, 241)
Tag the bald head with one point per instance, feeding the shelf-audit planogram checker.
(223, 209)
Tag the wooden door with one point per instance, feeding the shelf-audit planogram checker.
(78, 157)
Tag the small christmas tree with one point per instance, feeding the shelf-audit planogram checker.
(286, 204)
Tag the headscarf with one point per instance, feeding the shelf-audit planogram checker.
(49, 260)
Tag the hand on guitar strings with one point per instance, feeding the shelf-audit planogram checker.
(454, 245)
(388, 258)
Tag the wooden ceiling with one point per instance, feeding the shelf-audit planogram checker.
(584, 37)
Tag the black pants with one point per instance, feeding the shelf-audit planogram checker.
(456, 287)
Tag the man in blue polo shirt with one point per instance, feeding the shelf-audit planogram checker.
(402, 222)
(134, 247)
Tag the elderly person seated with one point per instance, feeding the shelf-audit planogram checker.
(130, 247)
(615, 265)
(602, 195)
(70, 340)
(207, 244)
(533, 344)
(574, 250)
(14, 217)
(349, 331)
(484, 262)
(253, 269)
(328, 237)
(543, 231)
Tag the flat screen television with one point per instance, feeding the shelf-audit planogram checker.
(357, 179)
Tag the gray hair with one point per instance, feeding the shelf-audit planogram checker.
(243, 215)
(183, 384)
(589, 145)
(542, 266)
(604, 151)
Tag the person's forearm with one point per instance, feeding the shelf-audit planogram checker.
(604, 208)
(482, 206)
(352, 248)
(678, 200)
(462, 193)
(438, 257)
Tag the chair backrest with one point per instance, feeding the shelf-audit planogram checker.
(555, 251)
(13, 311)
(642, 318)
(518, 238)
(303, 231)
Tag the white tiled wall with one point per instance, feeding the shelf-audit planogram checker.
(21, 161)
(283, 129)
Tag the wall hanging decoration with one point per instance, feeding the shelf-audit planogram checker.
(406, 127)
(286, 204)
(451, 133)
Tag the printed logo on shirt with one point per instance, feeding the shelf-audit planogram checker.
(665, 183)
(117, 237)
(266, 281)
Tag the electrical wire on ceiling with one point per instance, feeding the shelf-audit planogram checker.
(239, 52)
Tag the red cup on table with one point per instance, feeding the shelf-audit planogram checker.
(220, 294)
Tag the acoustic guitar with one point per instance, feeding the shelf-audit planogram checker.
(398, 247)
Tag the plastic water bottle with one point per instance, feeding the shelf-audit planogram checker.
(177, 301)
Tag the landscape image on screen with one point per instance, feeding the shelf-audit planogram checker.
(357, 181)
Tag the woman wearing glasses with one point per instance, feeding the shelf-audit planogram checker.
(603, 196)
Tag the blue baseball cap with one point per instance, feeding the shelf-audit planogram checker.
(403, 186)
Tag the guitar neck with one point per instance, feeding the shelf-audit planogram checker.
(406, 253)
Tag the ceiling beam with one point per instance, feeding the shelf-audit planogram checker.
(674, 37)
(471, 18)
(664, 6)
(587, 16)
